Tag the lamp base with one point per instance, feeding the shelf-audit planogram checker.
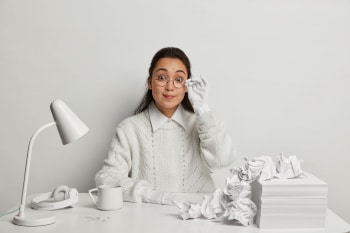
(33, 219)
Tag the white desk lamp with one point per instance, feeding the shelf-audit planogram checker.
(70, 128)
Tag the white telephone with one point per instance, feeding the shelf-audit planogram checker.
(61, 197)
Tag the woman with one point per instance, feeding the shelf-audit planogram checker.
(172, 142)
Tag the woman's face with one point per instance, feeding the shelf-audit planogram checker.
(168, 84)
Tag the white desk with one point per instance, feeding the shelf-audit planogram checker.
(143, 218)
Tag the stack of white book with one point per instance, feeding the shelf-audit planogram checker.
(290, 203)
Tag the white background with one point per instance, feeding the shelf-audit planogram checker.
(278, 73)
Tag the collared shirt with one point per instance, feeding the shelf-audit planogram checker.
(158, 119)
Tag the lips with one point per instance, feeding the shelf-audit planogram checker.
(169, 97)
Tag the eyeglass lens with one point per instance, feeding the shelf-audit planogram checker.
(176, 83)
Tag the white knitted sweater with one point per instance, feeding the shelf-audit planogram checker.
(171, 155)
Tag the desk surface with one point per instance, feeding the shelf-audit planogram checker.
(143, 217)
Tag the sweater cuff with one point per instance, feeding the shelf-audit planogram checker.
(200, 110)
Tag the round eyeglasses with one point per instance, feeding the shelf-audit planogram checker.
(163, 80)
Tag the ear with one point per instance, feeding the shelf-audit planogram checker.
(149, 83)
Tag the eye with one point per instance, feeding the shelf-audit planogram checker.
(161, 78)
(179, 80)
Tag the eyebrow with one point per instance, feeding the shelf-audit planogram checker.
(178, 71)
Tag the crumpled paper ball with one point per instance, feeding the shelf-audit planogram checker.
(288, 168)
(214, 205)
(189, 210)
(242, 210)
(236, 188)
(234, 202)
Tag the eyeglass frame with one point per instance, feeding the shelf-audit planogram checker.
(165, 82)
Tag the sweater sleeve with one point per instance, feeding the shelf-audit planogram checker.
(116, 171)
(217, 149)
(118, 163)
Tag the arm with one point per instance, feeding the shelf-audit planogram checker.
(117, 170)
(216, 146)
(117, 166)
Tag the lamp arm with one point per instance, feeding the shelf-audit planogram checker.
(26, 173)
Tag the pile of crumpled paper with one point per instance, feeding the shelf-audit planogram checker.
(234, 202)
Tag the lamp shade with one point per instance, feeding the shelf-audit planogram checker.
(69, 126)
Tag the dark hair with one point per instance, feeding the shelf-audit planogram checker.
(172, 53)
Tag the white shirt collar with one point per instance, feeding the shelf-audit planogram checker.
(158, 119)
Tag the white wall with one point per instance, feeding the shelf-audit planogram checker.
(278, 73)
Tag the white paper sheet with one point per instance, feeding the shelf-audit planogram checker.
(234, 201)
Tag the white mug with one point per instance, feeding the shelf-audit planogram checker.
(109, 197)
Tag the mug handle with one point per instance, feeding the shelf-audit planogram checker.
(90, 193)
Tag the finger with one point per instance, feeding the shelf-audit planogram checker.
(194, 81)
(198, 83)
(192, 85)
(204, 81)
(189, 82)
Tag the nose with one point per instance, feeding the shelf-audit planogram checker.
(169, 85)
